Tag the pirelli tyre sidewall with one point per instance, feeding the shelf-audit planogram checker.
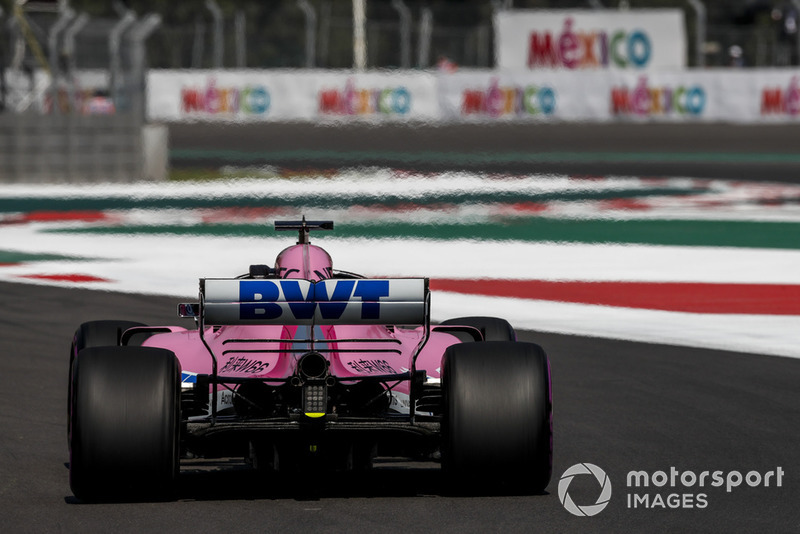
(124, 426)
(492, 328)
(497, 424)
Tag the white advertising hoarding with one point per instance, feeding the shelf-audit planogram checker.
(186, 95)
(744, 96)
(776, 94)
(548, 96)
(521, 95)
(397, 95)
(262, 95)
(603, 39)
(509, 96)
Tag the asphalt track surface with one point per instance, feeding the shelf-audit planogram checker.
(730, 151)
(622, 406)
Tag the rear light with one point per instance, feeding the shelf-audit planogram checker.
(315, 400)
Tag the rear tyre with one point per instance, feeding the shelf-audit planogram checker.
(94, 334)
(492, 328)
(124, 425)
(497, 426)
(101, 333)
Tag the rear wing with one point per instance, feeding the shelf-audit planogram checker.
(302, 302)
(225, 301)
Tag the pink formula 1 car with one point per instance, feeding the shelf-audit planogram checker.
(302, 365)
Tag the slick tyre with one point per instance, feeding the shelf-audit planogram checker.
(497, 424)
(124, 426)
(101, 333)
(94, 334)
(492, 328)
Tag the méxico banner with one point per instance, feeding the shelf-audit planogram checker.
(640, 39)
(308, 95)
(724, 95)
(671, 96)
(755, 95)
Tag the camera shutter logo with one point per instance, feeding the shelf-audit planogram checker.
(584, 469)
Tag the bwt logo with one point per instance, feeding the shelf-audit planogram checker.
(259, 298)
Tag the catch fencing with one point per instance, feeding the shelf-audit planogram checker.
(72, 99)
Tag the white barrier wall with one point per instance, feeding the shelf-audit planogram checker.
(592, 96)
(262, 95)
(729, 95)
